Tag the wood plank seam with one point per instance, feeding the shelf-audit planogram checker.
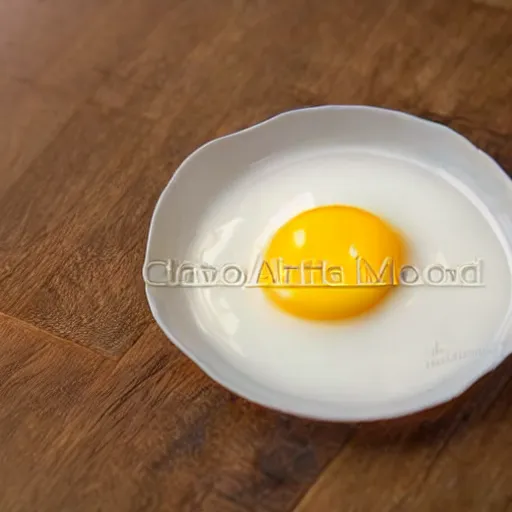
(55, 338)
(349, 436)
(433, 462)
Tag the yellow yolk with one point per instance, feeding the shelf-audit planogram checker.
(331, 263)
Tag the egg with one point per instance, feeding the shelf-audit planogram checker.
(331, 336)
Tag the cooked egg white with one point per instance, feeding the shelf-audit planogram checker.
(380, 346)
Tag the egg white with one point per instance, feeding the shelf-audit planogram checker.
(415, 339)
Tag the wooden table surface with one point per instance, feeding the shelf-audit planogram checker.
(100, 100)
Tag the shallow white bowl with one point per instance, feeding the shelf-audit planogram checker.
(207, 172)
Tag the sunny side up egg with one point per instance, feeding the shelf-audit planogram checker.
(371, 344)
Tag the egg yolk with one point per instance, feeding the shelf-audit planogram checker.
(331, 263)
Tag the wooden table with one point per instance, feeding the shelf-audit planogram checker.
(100, 100)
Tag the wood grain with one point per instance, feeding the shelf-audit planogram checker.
(154, 418)
(507, 4)
(100, 101)
(394, 466)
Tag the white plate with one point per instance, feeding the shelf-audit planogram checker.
(210, 169)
